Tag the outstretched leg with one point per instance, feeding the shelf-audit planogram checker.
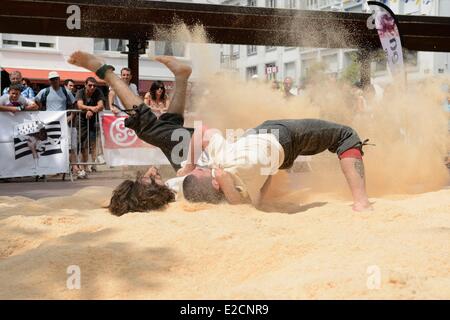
(93, 63)
(128, 98)
(353, 169)
(181, 72)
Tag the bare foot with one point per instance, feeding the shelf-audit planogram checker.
(178, 68)
(85, 60)
(359, 207)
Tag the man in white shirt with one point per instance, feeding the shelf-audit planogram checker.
(115, 104)
(241, 170)
(13, 101)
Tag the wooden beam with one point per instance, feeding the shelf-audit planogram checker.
(224, 24)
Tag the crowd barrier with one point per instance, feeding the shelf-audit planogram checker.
(83, 136)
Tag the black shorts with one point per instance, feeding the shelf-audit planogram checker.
(310, 136)
(166, 132)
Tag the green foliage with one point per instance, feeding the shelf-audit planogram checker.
(352, 73)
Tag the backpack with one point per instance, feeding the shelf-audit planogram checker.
(47, 92)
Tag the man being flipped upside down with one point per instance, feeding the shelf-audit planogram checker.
(238, 172)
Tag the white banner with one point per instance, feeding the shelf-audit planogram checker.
(122, 147)
(33, 143)
(383, 19)
(427, 7)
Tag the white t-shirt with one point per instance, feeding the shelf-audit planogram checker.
(4, 100)
(119, 103)
(176, 184)
(250, 160)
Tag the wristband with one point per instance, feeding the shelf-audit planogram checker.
(102, 71)
(213, 173)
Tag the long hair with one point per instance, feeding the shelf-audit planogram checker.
(155, 86)
(135, 196)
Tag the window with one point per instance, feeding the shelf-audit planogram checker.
(168, 48)
(110, 45)
(11, 43)
(312, 4)
(291, 4)
(251, 50)
(28, 41)
(270, 48)
(290, 70)
(410, 57)
(305, 67)
(235, 49)
(380, 66)
(271, 3)
(252, 71)
(46, 45)
(331, 63)
(28, 44)
(251, 3)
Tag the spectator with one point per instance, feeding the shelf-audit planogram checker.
(69, 85)
(90, 100)
(15, 77)
(287, 86)
(55, 97)
(26, 83)
(275, 85)
(125, 75)
(13, 101)
(157, 99)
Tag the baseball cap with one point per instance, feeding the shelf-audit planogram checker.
(53, 74)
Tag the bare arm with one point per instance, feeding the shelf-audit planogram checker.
(194, 153)
(100, 106)
(111, 98)
(9, 108)
(82, 106)
(227, 186)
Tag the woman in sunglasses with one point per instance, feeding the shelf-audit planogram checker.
(157, 99)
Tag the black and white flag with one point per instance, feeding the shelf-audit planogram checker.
(33, 143)
(52, 145)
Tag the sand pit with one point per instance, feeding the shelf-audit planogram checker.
(321, 249)
(188, 251)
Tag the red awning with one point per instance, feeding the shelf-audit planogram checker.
(41, 74)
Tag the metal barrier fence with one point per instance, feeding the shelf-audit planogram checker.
(84, 141)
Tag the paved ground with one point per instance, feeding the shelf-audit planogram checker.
(55, 187)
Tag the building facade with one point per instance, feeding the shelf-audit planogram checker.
(276, 63)
(36, 55)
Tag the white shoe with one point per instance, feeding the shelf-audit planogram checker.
(81, 174)
(100, 159)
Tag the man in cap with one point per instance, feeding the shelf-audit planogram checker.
(55, 97)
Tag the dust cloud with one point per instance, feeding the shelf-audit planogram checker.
(408, 125)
